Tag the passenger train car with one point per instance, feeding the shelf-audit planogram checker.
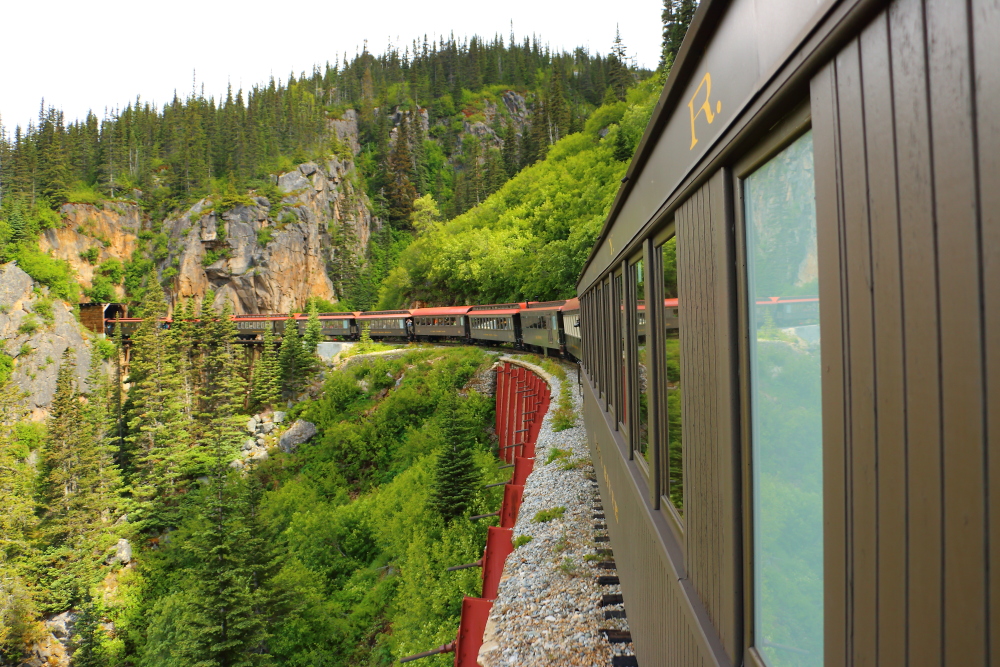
(805, 481)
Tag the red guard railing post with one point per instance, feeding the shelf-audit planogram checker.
(498, 547)
(475, 613)
(512, 495)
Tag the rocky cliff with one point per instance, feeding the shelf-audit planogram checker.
(109, 231)
(268, 256)
(35, 331)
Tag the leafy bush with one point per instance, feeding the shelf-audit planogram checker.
(521, 540)
(43, 308)
(104, 348)
(28, 326)
(56, 274)
(113, 269)
(6, 368)
(264, 236)
(90, 255)
(102, 290)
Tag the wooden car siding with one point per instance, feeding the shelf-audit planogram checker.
(711, 444)
(667, 624)
(908, 286)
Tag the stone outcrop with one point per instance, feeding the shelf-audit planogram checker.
(112, 229)
(297, 433)
(37, 352)
(269, 257)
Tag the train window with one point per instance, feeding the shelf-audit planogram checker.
(785, 411)
(621, 377)
(642, 375)
(672, 459)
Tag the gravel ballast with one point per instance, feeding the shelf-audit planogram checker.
(548, 610)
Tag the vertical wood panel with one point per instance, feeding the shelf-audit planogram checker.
(954, 172)
(887, 299)
(920, 333)
(826, 156)
(860, 367)
(986, 43)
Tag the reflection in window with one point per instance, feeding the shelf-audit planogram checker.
(642, 375)
(786, 410)
(622, 411)
(673, 485)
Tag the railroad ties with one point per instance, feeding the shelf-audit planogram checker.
(613, 603)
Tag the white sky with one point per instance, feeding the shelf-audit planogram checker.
(82, 55)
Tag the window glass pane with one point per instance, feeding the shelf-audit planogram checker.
(674, 460)
(786, 411)
(622, 396)
(642, 370)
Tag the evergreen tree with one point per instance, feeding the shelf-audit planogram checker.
(400, 192)
(291, 358)
(622, 147)
(619, 76)
(159, 441)
(314, 330)
(511, 150)
(267, 375)
(455, 474)
(64, 448)
(676, 17)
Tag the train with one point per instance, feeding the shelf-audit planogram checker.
(551, 328)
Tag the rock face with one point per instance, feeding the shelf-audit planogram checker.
(269, 257)
(296, 434)
(37, 353)
(112, 229)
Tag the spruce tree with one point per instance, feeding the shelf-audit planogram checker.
(290, 359)
(159, 439)
(314, 330)
(455, 474)
(267, 375)
(63, 447)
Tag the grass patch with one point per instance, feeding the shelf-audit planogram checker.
(521, 540)
(547, 515)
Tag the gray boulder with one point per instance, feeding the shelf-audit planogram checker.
(260, 456)
(249, 444)
(299, 432)
(123, 553)
(267, 427)
(252, 426)
(278, 416)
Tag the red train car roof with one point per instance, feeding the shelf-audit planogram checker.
(441, 310)
(382, 314)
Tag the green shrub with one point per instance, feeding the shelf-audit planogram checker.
(548, 515)
(6, 368)
(56, 274)
(105, 348)
(90, 255)
(521, 540)
(24, 350)
(102, 290)
(43, 308)
(264, 236)
(288, 218)
(113, 269)
(29, 325)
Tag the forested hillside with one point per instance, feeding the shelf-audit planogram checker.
(552, 210)
(452, 119)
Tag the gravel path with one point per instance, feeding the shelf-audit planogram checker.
(548, 611)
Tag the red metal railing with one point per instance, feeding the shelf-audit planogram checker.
(522, 399)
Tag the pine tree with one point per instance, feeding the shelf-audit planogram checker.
(293, 379)
(159, 440)
(267, 375)
(455, 474)
(676, 17)
(400, 192)
(314, 330)
(619, 76)
(622, 149)
(511, 150)
(63, 446)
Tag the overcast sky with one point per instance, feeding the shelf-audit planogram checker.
(82, 55)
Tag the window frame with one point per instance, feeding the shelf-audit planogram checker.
(782, 134)
(662, 456)
(631, 317)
